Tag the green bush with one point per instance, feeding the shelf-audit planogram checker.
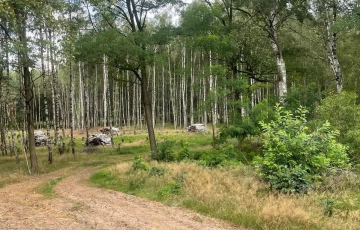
(293, 157)
(226, 155)
(343, 112)
(165, 151)
(184, 152)
(157, 171)
(139, 164)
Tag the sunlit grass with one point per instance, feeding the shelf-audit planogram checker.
(234, 194)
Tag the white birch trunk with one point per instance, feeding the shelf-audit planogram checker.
(192, 82)
(105, 75)
(56, 96)
(204, 95)
(163, 97)
(128, 100)
(96, 105)
(172, 94)
(153, 92)
(282, 87)
(183, 88)
(332, 43)
(81, 97)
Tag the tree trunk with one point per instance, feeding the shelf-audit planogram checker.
(332, 43)
(280, 63)
(71, 102)
(105, 75)
(184, 87)
(172, 94)
(81, 97)
(163, 97)
(56, 95)
(28, 87)
(147, 109)
(48, 141)
(192, 82)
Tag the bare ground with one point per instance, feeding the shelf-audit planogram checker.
(77, 205)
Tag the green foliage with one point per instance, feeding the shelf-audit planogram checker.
(343, 112)
(173, 187)
(307, 97)
(225, 156)
(249, 125)
(184, 152)
(293, 156)
(48, 188)
(329, 206)
(139, 164)
(290, 180)
(157, 171)
(165, 151)
(105, 179)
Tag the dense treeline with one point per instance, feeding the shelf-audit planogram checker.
(75, 64)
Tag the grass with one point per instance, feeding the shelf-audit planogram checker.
(234, 194)
(47, 188)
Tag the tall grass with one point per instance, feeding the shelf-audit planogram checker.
(236, 195)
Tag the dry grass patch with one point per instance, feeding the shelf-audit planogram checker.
(235, 194)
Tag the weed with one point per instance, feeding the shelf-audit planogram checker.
(157, 171)
(139, 164)
(48, 187)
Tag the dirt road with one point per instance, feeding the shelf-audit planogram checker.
(79, 206)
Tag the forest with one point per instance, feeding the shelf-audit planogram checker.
(275, 81)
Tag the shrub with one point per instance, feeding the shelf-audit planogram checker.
(343, 112)
(139, 164)
(226, 155)
(157, 171)
(293, 157)
(184, 152)
(165, 151)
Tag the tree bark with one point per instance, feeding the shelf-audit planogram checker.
(105, 75)
(21, 18)
(48, 141)
(332, 43)
(147, 107)
(280, 62)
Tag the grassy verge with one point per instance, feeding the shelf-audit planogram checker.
(233, 194)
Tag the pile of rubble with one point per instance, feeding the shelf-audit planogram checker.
(196, 128)
(98, 139)
(41, 139)
(110, 130)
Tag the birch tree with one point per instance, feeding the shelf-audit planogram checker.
(330, 18)
(270, 16)
(21, 12)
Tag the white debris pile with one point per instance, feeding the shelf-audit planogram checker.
(98, 139)
(40, 138)
(196, 128)
(109, 130)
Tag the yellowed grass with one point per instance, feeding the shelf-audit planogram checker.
(236, 191)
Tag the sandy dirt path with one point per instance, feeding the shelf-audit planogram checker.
(79, 206)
